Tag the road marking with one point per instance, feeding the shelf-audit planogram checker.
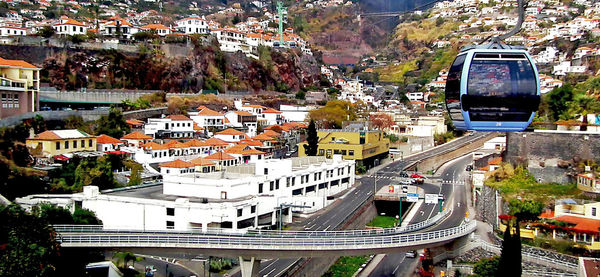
(396, 269)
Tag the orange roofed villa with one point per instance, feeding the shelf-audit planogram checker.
(20, 87)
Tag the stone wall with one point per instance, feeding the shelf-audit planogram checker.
(486, 205)
(542, 152)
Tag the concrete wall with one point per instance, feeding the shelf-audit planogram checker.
(487, 204)
(542, 152)
(438, 160)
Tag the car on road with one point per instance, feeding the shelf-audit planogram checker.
(469, 168)
(416, 175)
(406, 182)
(403, 175)
(411, 254)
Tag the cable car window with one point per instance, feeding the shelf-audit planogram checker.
(501, 89)
(453, 88)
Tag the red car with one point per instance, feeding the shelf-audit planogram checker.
(416, 175)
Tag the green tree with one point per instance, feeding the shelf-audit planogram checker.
(312, 140)
(510, 257)
(77, 38)
(46, 32)
(113, 124)
(334, 113)
(29, 246)
(558, 101)
(486, 267)
(85, 217)
(38, 124)
(136, 176)
(92, 172)
(54, 214)
(583, 105)
(525, 209)
(301, 95)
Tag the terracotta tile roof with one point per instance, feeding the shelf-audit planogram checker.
(177, 164)
(134, 122)
(271, 133)
(253, 152)
(207, 111)
(104, 139)
(197, 127)
(154, 146)
(237, 149)
(201, 107)
(70, 21)
(244, 113)
(250, 142)
(176, 144)
(202, 162)
(547, 214)
(231, 132)
(270, 110)
(255, 106)
(226, 120)
(219, 156)
(178, 117)
(262, 137)
(154, 27)
(17, 64)
(136, 136)
(295, 125)
(195, 143)
(61, 134)
(581, 224)
(283, 128)
(215, 142)
(496, 161)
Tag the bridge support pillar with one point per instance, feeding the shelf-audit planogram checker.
(249, 266)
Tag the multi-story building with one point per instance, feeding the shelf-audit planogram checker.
(159, 29)
(172, 126)
(192, 25)
(68, 26)
(366, 147)
(59, 142)
(20, 87)
(207, 118)
(242, 196)
(243, 120)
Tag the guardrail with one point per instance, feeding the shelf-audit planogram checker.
(539, 259)
(139, 239)
(262, 233)
(468, 269)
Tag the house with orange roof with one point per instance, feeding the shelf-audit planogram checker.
(272, 116)
(136, 139)
(203, 165)
(70, 27)
(58, 142)
(134, 123)
(243, 120)
(106, 143)
(10, 31)
(177, 167)
(159, 29)
(174, 126)
(222, 159)
(230, 135)
(207, 118)
(19, 87)
(117, 26)
(192, 25)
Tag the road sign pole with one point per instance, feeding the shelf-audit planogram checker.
(441, 204)
(400, 212)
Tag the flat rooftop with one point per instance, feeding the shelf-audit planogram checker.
(155, 192)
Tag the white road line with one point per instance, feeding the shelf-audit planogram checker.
(270, 272)
(396, 269)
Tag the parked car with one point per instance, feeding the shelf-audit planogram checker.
(469, 168)
(416, 175)
(403, 174)
(411, 254)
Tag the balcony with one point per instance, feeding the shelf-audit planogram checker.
(8, 84)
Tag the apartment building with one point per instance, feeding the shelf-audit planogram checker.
(19, 86)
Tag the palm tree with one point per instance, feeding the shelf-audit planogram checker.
(583, 105)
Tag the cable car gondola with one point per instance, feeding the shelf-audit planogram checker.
(493, 87)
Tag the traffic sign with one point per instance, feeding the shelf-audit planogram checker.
(431, 198)
(391, 189)
(412, 197)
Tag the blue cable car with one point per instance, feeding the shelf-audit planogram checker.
(490, 89)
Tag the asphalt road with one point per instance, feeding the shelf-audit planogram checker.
(397, 264)
(332, 217)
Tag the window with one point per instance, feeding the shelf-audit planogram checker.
(293, 181)
(350, 152)
(593, 211)
(82, 143)
(277, 184)
(240, 212)
(321, 152)
(170, 224)
(171, 211)
(315, 177)
(271, 184)
(75, 144)
(260, 188)
(57, 145)
(90, 143)
(66, 145)
(266, 171)
(10, 100)
(253, 209)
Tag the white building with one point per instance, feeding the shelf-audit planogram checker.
(207, 118)
(8, 31)
(292, 113)
(192, 25)
(243, 196)
(106, 143)
(67, 26)
(243, 120)
(230, 135)
(172, 126)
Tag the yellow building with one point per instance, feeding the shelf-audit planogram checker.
(368, 148)
(60, 142)
(19, 87)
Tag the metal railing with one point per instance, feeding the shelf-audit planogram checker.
(539, 273)
(228, 241)
(539, 259)
(260, 233)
